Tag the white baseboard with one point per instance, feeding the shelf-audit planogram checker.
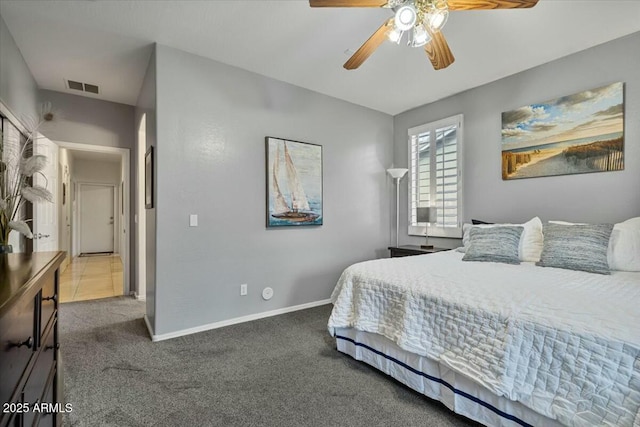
(243, 319)
(140, 297)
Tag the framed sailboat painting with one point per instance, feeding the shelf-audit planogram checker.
(294, 183)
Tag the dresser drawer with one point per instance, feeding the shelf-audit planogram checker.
(40, 372)
(16, 345)
(47, 416)
(13, 416)
(34, 388)
(49, 301)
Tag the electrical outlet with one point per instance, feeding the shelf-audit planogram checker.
(243, 289)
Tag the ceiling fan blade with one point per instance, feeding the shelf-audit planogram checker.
(489, 4)
(368, 47)
(438, 51)
(347, 3)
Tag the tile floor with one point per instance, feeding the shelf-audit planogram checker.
(94, 277)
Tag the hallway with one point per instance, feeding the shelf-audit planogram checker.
(94, 277)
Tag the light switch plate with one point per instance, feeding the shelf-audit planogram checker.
(193, 220)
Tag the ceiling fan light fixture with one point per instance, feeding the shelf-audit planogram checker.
(395, 35)
(405, 17)
(417, 17)
(420, 36)
(394, 3)
(437, 19)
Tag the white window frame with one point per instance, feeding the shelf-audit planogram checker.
(419, 230)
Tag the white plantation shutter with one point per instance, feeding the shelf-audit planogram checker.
(435, 172)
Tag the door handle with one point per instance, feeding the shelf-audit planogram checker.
(40, 236)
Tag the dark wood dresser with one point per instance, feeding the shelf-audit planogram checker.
(29, 380)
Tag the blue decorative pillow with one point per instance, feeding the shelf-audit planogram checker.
(580, 247)
(494, 244)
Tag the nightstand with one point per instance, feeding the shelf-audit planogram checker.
(410, 250)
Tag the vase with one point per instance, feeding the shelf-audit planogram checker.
(6, 249)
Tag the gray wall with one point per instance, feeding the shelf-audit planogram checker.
(212, 122)
(96, 171)
(18, 89)
(89, 121)
(147, 105)
(18, 93)
(596, 197)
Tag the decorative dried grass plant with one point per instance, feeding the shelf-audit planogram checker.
(17, 168)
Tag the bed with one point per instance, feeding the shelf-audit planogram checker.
(505, 345)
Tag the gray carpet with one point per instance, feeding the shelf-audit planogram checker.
(279, 371)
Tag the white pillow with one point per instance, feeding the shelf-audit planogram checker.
(531, 241)
(624, 246)
(630, 224)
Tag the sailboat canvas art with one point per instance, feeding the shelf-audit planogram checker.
(294, 183)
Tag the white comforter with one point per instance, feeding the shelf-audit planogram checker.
(564, 343)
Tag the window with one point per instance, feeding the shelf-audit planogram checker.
(435, 173)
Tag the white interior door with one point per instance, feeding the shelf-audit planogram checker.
(96, 218)
(45, 214)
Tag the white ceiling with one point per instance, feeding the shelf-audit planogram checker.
(108, 43)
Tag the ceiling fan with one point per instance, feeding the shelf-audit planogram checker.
(420, 20)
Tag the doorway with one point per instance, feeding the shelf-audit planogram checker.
(96, 216)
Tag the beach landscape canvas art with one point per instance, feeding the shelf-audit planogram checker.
(579, 133)
(294, 183)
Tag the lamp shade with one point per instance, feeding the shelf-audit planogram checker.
(425, 214)
(397, 173)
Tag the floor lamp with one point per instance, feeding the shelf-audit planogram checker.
(397, 174)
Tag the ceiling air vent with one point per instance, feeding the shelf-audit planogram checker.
(83, 87)
(75, 85)
(90, 88)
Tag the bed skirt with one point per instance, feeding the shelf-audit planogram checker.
(457, 392)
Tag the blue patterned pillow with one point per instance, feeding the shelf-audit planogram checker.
(580, 247)
(494, 244)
